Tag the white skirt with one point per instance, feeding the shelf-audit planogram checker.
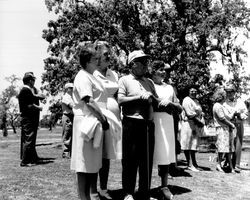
(112, 149)
(84, 158)
(164, 152)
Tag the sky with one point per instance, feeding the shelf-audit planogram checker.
(22, 47)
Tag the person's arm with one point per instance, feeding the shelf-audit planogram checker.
(221, 116)
(96, 111)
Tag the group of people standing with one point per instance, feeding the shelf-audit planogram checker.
(229, 114)
(128, 118)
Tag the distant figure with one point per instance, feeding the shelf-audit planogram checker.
(28, 103)
(67, 119)
(191, 128)
(239, 112)
(4, 125)
(224, 130)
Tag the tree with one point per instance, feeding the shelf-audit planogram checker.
(9, 109)
(183, 33)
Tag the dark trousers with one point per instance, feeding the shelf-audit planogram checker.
(67, 122)
(138, 149)
(28, 152)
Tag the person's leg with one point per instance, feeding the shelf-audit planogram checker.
(66, 136)
(28, 142)
(103, 175)
(187, 156)
(219, 160)
(129, 157)
(193, 158)
(229, 157)
(163, 173)
(83, 185)
(145, 147)
(93, 186)
(238, 146)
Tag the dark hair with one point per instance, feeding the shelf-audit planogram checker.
(85, 55)
(27, 78)
(157, 64)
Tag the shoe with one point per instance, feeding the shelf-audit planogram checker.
(218, 168)
(194, 169)
(128, 197)
(237, 169)
(94, 196)
(167, 195)
(104, 194)
(26, 164)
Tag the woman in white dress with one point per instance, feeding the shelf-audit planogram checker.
(89, 97)
(191, 127)
(111, 146)
(164, 152)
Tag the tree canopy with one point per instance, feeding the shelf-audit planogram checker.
(183, 33)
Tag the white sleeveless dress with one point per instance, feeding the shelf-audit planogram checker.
(164, 152)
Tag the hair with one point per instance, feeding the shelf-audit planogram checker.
(87, 50)
(85, 54)
(157, 64)
(27, 79)
(219, 95)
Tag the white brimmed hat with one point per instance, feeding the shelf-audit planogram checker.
(68, 85)
(136, 54)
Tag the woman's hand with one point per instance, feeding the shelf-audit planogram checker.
(165, 103)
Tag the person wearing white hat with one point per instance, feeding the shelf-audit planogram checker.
(137, 97)
(67, 119)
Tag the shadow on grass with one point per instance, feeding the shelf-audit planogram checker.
(205, 168)
(175, 190)
(44, 162)
(155, 192)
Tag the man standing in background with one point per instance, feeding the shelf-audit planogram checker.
(67, 120)
(28, 99)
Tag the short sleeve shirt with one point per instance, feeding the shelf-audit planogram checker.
(131, 86)
(67, 102)
(191, 108)
(85, 84)
(219, 114)
(110, 81)
(166, 91)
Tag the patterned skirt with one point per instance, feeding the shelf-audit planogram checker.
(225, 140)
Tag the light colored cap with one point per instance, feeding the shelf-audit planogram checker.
(230, 87)
(68, 85)
(136, 54)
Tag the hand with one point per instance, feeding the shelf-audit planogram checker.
(41, 96)
(40, 108)
(105, 125)
(232, 126)
(145, 95)
(200, 124)
(165, 102)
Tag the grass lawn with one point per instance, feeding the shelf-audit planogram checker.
(55, 181)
